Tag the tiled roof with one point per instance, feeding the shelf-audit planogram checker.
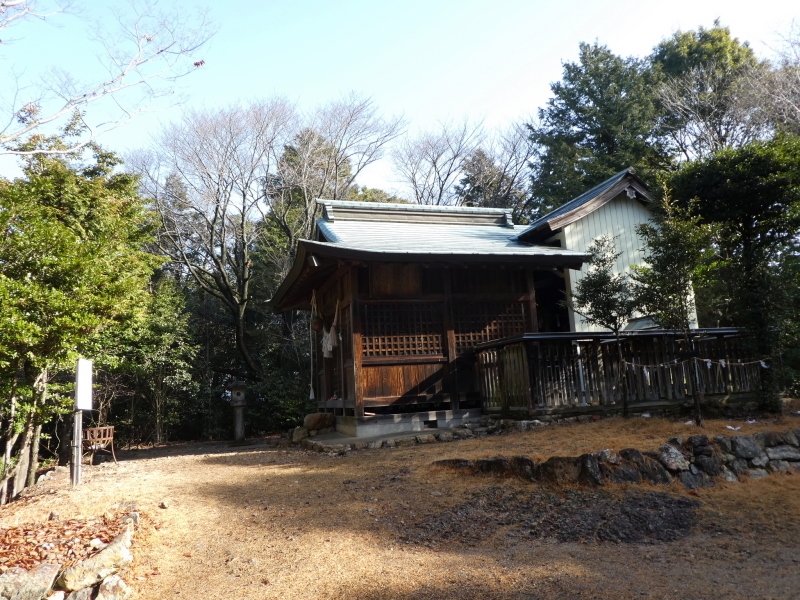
(428, 236)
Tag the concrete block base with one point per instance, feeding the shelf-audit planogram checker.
(409, 422)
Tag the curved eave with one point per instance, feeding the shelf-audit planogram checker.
(292, 292)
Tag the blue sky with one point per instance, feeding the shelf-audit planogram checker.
(429, 60)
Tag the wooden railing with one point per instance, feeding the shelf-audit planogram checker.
(542, 371)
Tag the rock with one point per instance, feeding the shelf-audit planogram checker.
(739, 466)
(299, 433)
(724, 443)
(165, 504)
(675, 441)
(772, 439)
(388, 444)
(697, 441)
(784, 452)
(707, 451)
(590, 470)
(406, 441)
(672, 458)
(654, 472)
(774, 466)
(374, 445)
(59, 595)
(361, 445)
(687, 479)
(624, 474)
(427, 438)
(94, 569)
(728, 475)
(113, 588)
(790, 438)
(522, 467)
(481, 430)
(761, 460)
(631, 454)
(497, 465)
(465, 433)
(454, 463)
(133, 517)
(757, 473)
(84, 594)
(708, 465)
(18, 584)
(744, 446)
(444, 436)
(54, 516)
(319, 421)
(608, 456)
(558, 469)
(692, 481)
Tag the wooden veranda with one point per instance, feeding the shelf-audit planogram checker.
(540, 373)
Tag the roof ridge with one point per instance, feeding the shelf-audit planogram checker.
(392, 206)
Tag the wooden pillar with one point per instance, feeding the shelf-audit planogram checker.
(450, 336)
(355, 319)
(533, 313)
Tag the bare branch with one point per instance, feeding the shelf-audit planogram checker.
(152, 51)
(432, 163)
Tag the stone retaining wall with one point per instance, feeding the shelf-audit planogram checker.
(93, 578)
(695, 462)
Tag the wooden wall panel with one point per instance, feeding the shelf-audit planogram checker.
(395, 280)
(395, 381)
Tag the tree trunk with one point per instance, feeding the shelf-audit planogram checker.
(40, 386)
(241, 345)
(33, 465)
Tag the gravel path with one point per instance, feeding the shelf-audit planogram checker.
(257, 523)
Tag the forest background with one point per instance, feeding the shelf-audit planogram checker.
(160, 267)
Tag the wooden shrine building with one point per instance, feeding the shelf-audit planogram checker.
(430, 315)
(412, 290)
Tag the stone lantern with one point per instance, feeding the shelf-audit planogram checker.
(238, 402)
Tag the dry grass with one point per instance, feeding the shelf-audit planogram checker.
(258, 523)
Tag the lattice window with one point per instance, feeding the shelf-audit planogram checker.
(401, 329)
(477, 322)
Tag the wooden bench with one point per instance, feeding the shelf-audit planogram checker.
(99, 438)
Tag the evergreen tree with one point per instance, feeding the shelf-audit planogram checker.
(600, 120)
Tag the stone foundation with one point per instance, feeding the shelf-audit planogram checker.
(695, 462)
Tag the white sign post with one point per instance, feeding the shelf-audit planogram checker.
(83, 401)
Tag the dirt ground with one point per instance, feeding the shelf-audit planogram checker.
(257, 523)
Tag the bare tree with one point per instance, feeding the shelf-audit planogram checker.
(782, 85)
(206, 178)
(149, 51)
(496, 174)
(329, 151)
(433, 162)
(713, 107)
